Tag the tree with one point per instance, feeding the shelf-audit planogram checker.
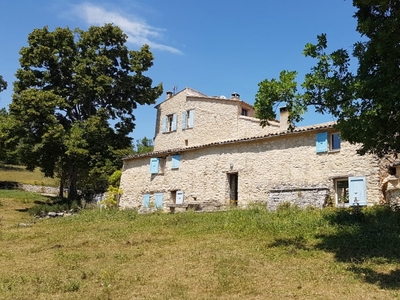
(144, 145)
(74, 100)
(3, 84)
(366, 103)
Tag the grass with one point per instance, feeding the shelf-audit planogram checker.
(238, 254)
(12, 173)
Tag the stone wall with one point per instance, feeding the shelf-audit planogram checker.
(302, 197)
(262, 165)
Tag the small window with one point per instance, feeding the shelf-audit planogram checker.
(326, 143)
(244, 112)
(157, 165)
(187, 119)
(175, 161)
(335, 141)
(169, 123)
(342, 192)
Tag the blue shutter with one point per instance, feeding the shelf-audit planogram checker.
(164, 125)
(357, 191)
(184, 120)
(176, 159)
(191, 118)
(174, 119)
(179, 197)
(154, 163)
(322, 142)
(158, 200)
(146, 200)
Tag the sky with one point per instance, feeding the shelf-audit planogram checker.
(215, 47)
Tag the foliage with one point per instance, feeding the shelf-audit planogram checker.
(115, 178)
(364, 103)
(144, 145)
(73, 103)
(112, 197)
(3, 84)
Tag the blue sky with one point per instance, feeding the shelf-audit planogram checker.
(216, 47)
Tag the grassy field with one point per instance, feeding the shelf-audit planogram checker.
(21, 175)
(238, 254)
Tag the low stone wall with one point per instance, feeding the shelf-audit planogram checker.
(303, 197)
(39, 189)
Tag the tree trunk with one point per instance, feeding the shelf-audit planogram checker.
(73, 178)
(61, 190)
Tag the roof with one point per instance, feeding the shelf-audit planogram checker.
(297, 130)
(195, 94)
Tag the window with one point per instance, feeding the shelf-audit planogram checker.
(187, 119)
(324, 145)
(158, 200)
(244, 112)
(350, 191)
(157, 165)
(169, 123)
(175, 161)
(342, 192)
(177, 197)
(335, 141)
(146, 200)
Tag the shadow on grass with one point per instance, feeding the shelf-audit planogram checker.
(8, 185)
(366, 235)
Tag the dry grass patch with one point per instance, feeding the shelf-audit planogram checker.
(12, 173)
(240, 254)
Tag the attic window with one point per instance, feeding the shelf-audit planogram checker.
(244, 112)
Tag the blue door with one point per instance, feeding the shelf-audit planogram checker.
(357, 191)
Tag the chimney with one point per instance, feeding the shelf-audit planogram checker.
(283, 118)
(235, 95)
(169, 94)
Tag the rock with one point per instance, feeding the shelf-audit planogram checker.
(52, 214)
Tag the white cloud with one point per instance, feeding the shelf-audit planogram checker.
(138, 31)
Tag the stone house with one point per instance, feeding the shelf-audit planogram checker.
(210, 153)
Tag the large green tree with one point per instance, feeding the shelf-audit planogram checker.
(74, 99)
(366, 103)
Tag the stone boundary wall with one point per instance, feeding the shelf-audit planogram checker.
(39, 189)
(303, 197)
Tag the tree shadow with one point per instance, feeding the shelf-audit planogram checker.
(365, 235)
(9, 185)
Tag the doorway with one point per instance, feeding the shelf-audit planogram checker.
(233, 188)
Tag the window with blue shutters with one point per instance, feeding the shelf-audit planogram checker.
(335, 141)
(164, 125)
(357, 191)
(191, 119)
(146, 200)
(174, 121)
(154, 165)
(179, 197)
(175, 161)
(322, 142)
(184, 120)
(187, 119)
(158, 199)
(169, 123)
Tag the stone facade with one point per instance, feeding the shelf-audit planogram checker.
(227, 158)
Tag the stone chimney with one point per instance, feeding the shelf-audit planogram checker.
(169, 94)
(235, 95)
(283, 118)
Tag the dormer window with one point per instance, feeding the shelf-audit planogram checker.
(245, 112)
